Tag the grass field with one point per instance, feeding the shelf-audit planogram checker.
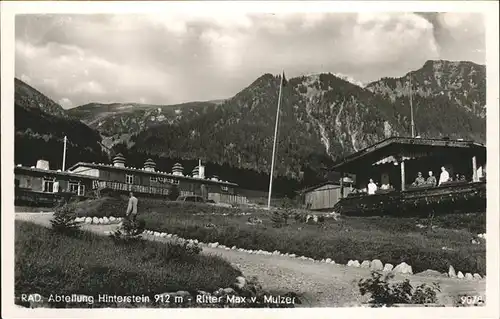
(392, 240)
(50, 263)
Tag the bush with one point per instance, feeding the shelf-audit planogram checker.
(63, 220)
(130, 230)
(384, 294)
(89, 264)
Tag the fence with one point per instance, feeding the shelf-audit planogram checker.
(134, 188)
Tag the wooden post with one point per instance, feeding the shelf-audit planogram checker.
(402, 175)
(341, 184)
(474, 169)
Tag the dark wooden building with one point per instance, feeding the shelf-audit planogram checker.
(396, 161)
(40, 185)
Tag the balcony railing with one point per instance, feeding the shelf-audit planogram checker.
(118, 186)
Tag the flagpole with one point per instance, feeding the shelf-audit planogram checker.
(64, 154)
(411, 111)
(274, 143)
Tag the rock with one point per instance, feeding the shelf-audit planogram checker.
(292, 255)
(332, 262)
(322, 260)
(169, 235)
(460, 275)
(476, 276)
(451, 272)
(328, 260)
(183, 293)
(105, 220)
(101, 220)
(215, 245)
(365, 264)
(376, 265)
(95, 220)
(112, 219)
(388, 267)
(88, 220)
(227, 248)
(229, 291)
(156, 234)
(403, 268)
(468, 276)
(350, 262)
(355, 263)
(163, 235)
(430, 273)
(240, 282)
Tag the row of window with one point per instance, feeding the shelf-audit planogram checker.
(129, 179)
(52, 186)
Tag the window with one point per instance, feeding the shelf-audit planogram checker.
(129, 179)
(77, 188)
(224, 188)
(153, 178)
(175, 181)
(48, 185)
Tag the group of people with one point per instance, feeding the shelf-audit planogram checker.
(431, 181)
(444, 177)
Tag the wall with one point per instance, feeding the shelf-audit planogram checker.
(94, 172)
(324, 197)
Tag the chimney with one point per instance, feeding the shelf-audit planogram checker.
(149, 165)
(177, 169)
(119, 160)
(42, 164)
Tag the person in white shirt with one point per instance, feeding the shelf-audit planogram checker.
(372, 187)
(444, 177)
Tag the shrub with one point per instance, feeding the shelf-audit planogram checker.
(130, 230)
(384, 294)
(63, 220)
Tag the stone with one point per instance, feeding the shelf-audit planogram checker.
(468, 276)
(101, 220)
(322, 260)
(233, 248)
(183, 293)
(355, 263)
(403, 268)
(430, 273)
(156, 234)
(95, 220)
(163, 235)
(328, 260)
(451, 272)
(88, 220)
(376, 265)
(388, 267)
(169, 235)
(332, 262)
(215, 245)
(228, 291)
(105, 220)
(365, 264)
(112, 219)
(350, 262)
(292, 255)
(240, 282)
(476, 276)
(460, 275)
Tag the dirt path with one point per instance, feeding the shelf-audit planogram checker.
(320, 284)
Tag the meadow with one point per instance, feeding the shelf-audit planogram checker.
(392, 240)
(47, 262)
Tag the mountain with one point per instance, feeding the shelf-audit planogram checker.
(323, 118)
(449, 98)
(40, 126)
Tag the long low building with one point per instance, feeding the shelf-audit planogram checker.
(145, 181)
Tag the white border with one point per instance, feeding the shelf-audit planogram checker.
(8, 11)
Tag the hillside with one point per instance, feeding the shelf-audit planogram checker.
(40, 126)
(323, 118)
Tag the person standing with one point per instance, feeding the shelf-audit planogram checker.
(372, 187)
(431, 180)
(444, 177)
(132, 207)
(419, 180)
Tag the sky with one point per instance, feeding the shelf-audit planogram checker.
(169, 59)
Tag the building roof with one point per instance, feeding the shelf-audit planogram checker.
(156, 173)
(399, 146)
(19, 169)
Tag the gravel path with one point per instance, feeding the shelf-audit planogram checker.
(319, 284)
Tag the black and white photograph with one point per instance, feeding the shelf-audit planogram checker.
(251, 159)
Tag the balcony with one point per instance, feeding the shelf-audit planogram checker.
(124, 187)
